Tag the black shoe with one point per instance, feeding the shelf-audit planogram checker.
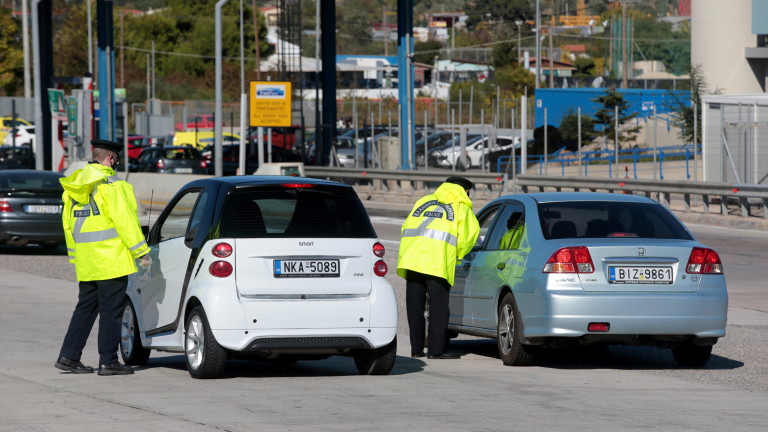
(445, 355)
(115, 369)
(73, 366)
(418, 355)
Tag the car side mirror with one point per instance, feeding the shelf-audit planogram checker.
(190, 237)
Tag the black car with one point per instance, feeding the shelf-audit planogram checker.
(30, 208)
(19, 157)
(171, 159)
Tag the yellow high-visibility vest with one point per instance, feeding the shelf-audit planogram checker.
(440, 230)
(101, 224)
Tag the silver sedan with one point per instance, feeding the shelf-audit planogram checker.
(553, 270)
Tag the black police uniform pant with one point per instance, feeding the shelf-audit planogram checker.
(417, 286)
(105, 299)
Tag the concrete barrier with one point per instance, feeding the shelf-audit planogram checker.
(155, 190)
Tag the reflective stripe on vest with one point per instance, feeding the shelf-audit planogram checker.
(92, 236)
(423, 231)
(139, 245)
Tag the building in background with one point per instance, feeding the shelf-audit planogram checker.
(729, 40)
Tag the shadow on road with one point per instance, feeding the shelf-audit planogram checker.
(332, 366)
(612, 357)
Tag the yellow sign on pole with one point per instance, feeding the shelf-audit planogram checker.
(270, 103)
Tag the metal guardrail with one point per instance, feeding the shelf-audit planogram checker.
(747, 201)
(409, 185)
(750, 200)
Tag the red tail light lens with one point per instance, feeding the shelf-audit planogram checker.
(704, 261)
(203, 164)
(5, 207)
(160, 164)
(297, 185)
(380, 268)
(220, 269)
(570, 260)
(222, 250)
(378, 249)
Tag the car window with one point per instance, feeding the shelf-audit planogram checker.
(20, 180)
(175, 224)
(600, 219)
(285, 211)
(486, 219)
(180, 154)
(508, 232)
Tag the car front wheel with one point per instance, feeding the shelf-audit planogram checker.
(690, 355)
(509, 337)
(205, 357)
(131, 349)
(379, 361)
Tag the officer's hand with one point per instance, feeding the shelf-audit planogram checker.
(145, 261)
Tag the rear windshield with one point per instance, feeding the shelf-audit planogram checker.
(31, 180)
(599, 219)
(181, 153)
(283, 212)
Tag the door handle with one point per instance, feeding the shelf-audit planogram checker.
(501, 265)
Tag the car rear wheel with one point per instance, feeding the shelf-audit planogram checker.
(205, 357)
(379, 361)
(509, 337)
(131, 349)
(690, 355)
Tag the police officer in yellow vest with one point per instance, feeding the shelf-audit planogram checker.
(438, 232)
(104, 239)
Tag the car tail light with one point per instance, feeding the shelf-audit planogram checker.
(220, 269)
(378, 249)
(5, 207)
(203, 164)
(160, 164)
(570, 260)
(297, 185)
(380, 268)
(704, 261)
(598, 327)
(222, 250)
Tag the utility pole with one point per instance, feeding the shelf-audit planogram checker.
(624, 74)
(551, 54)
(538, 42)
(256, 40)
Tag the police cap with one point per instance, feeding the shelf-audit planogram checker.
(461, 181)
(107, 145)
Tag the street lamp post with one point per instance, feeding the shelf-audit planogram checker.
(518, 23)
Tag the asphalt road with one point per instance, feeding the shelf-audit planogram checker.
(624, 388)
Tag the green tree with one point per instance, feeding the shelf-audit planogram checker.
(585, 67)
(425, 52)
(11, 56)
(503, 10)
(606, 116)
(683, 112)
(569, 129)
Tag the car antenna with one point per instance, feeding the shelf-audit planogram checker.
(149, 214)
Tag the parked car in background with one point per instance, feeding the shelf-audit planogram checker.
(477, 150)
(262, 267)
(135, 146)
(434, 140)
(283, 137)
(17, 158)
(197, 121)
(171, 159)
(6, 125)
(201, 139)
(584, 269)
(148, 141)
(25, 136)
(30, 208)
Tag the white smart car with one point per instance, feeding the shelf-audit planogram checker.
(262, 267)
